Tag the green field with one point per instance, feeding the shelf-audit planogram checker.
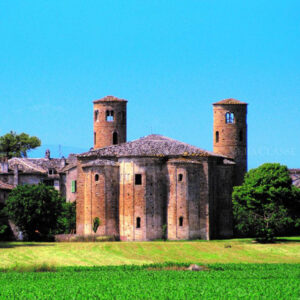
(124, 253)
(226, 281)
(117, 270)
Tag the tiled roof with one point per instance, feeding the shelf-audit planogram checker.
(40, 165)
(230, 101)
(5, 186)
(295, 175)
(152, 146)
(110, 99)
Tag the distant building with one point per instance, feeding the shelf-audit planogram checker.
(57, 172)
(295, 175)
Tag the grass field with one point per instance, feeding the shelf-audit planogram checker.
(118, 270)
(125, 253)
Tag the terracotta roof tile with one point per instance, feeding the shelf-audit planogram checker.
(150, 146)
(5, 186)
(230, 101)
(110, 99)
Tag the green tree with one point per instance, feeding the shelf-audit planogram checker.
(267, 204)
(17, 145)
(36, 210)
(67, 219)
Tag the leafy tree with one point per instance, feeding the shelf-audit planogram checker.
(17, 145)
(67, 219)
(267, 204)
(5, 231)
(36, 210)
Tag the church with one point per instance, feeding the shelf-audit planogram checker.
(157, 187)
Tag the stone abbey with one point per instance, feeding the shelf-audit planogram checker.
(144, 189)
(151, 188)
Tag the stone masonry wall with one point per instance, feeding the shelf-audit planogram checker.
(97, 197)
(188, 199)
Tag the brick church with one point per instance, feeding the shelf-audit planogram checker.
(143, 189)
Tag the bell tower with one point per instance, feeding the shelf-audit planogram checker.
(230, 134)
(109, 121)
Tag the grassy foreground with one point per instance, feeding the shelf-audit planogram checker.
(221, 281)
(138, 253)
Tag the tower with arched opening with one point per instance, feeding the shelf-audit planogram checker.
(230, 133)
(109, 121)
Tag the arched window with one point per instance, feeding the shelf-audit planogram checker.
(180, 177)
(180, 221)
(241, 135)
(138, 222)
(115, 138)
(229, 118)
(109, 115)
(97, 177)
(217, 136)
(96, 115)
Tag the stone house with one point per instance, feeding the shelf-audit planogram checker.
(55, 172)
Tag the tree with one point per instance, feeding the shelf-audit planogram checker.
(67, 219)
(36, 210)
(267, 204)
(17, 145)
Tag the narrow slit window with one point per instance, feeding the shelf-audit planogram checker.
(115, 138)
(96, 115)
(181, 221)
(229, 118)
(95, 138)
(138, 222)
(241, 135)
(109, 115)
(180, 177)
(138, 179)
(217, 136)
(97, 177)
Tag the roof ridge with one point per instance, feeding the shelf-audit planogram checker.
(230, 101)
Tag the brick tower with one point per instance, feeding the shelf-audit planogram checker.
(230, 134)
(109, 121)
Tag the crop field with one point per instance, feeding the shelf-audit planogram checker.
(151, 270)
(167, 281)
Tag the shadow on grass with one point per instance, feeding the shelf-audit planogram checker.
(7, 245)
(283, 240)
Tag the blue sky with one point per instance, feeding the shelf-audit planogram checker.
(170, 59)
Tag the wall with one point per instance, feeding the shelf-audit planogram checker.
(221, 218)
(71, 175)
(97, 199)
(188, 199)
